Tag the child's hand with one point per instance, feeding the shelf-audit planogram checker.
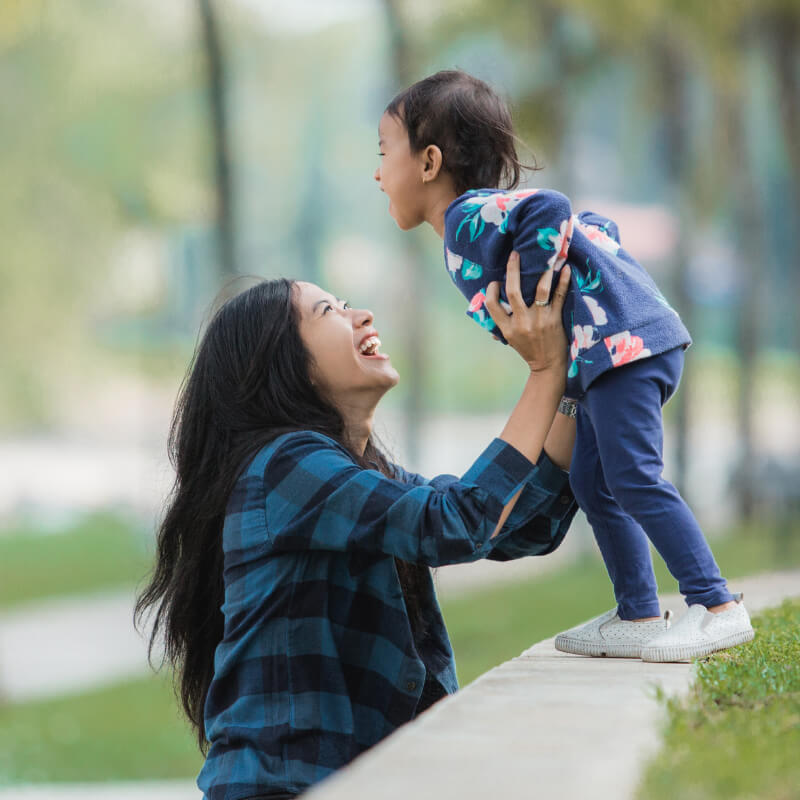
(535, 332)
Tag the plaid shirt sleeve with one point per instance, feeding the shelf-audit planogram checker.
(318, 498)
(540, 519)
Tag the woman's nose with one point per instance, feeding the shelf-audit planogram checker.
(363, 318)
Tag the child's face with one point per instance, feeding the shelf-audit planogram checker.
(400, 173)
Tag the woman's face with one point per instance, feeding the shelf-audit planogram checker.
(348, 367)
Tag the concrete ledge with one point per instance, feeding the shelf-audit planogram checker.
(544, 724)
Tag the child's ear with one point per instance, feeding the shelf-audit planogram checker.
(431, 163)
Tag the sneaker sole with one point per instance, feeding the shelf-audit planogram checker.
(686, 652)
(580, 648)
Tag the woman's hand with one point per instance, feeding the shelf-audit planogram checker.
(535, 332)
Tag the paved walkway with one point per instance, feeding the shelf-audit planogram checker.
(571, 727)
(91, 639)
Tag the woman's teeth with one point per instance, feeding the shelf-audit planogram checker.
(369, 346)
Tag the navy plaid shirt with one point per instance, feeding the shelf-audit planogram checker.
(318, 660)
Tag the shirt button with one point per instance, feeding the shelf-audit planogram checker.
(411, 686)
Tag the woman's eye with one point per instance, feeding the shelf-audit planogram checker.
(346, 305)
(327, 308)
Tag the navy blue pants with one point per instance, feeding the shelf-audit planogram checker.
(616, 477)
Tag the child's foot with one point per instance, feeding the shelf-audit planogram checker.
(699, 632)
(608, 635)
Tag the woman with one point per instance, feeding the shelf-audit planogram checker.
(292, 582)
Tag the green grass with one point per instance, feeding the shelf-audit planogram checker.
(737, 734)
(128, 731)
(100, 552)
(498, 623)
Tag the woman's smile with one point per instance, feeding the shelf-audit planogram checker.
(368, 348)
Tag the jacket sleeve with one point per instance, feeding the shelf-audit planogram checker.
(481, 230)
(318, 498)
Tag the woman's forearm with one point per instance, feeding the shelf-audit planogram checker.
(531, 421)
(560, 441)
(532, 418)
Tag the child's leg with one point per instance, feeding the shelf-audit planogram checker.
(624, 406)
(622, 542)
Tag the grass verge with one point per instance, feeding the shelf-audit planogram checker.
(100, 552)
(737, 734)
(131, 731)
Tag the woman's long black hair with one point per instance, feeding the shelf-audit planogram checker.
(250, 381)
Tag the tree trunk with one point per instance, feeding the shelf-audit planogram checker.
(748, 224)
(783, 40)
(414, 303)
(672, 79)
(215, 67)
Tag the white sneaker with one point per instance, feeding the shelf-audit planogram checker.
(608, 635)
(699, 632)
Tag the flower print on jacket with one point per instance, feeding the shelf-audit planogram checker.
(483, 319)
(454, 261)
(492, 208)
(599, 237)
(558, 241)
(582, 339)
(624, 348)
(477, 301)
(597, 311)
(469, 269)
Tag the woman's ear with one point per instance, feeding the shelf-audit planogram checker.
(431, 163)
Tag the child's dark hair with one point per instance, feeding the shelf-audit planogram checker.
(469, 122)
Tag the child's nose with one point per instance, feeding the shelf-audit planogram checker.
(377, 174)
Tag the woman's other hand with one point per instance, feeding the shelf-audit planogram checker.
(536, 331)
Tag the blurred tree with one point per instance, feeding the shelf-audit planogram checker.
(782, 36)
(414, 326)
(215, 67)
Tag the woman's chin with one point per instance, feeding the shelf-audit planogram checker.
(390, 377)
(387, 375)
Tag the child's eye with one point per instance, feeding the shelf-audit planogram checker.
(381, 154)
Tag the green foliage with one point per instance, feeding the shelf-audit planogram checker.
(100, 552)
(737, 734)
(131, 731)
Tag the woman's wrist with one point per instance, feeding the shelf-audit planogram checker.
(554, 367)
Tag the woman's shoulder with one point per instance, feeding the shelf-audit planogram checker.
(291, 448)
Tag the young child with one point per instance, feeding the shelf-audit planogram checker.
(443, 141)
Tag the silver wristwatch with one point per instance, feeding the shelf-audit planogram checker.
(568, 407)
